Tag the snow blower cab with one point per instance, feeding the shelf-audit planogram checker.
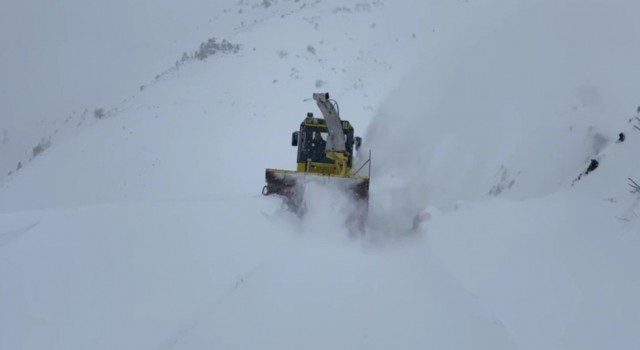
(311, 141)
(325, 155)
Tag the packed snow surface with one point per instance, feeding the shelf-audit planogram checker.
(130, 207)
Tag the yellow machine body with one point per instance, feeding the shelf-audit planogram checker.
(319, 160)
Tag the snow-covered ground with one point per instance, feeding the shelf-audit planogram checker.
(145, 229)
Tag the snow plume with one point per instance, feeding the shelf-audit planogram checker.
(326, 208)
(393, 206)
(478, 105)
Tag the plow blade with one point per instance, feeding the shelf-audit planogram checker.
(290, 186)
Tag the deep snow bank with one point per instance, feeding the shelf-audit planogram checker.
(561, 271)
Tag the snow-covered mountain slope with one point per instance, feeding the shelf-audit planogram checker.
(146, 228)
(327, 45)
(62, 60)
(526, 98)
(223, 96)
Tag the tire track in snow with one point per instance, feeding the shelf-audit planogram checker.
(10, 236)
(240, 281)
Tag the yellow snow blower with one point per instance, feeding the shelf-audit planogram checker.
(325, 155)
